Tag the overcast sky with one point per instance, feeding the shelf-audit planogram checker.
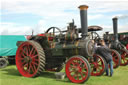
(20, 17)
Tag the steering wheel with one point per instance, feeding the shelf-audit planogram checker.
(54, 31)
(94, 35)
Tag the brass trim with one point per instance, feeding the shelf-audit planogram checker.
(83, 7)
(64, 45)
(77, 43)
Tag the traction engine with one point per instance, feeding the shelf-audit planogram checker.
(54, 48)
(114, 43)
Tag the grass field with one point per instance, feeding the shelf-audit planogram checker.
(11, 76)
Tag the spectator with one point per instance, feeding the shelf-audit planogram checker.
(105, 52)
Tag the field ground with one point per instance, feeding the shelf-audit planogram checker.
(11, 76)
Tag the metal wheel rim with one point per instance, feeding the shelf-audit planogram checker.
(26, 68)
(77, 63)
(97, 65)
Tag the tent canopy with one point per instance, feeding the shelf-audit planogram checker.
(8, 44)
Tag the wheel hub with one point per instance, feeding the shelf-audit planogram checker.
(28, 59)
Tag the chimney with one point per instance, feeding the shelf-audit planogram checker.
(115, 28)
(84, 22)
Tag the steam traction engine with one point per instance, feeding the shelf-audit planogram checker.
(50, 51)
(115, 54)
(115, 44)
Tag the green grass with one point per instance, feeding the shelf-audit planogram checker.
(11, 76)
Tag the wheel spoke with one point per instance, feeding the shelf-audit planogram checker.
(84, 73)
(22, 54)
(74, 76)
(99, 68)
(23, 50)
(28, 50)
(34, 66)
(29, 69)
(124, 60)
(99, 60)
(22, 63)
(81, 75)
(77, 77)
(31, 51)
(25, 65)
(71, 71)
(35, 63)
(80, 64)
(34, 56)
(73, 63)
(20, 58)
(36, 60)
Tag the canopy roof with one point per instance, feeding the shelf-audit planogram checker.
(94, 28)
(8, 44)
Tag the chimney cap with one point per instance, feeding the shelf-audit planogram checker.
(107, 32)
(115, 18)
(83, 7)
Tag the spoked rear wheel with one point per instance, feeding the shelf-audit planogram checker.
(77, 69)
(30, 59)
(98, 65)
(124, 57)
(116, 58)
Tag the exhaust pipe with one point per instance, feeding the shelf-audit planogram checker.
(84, 22)
(115, 28)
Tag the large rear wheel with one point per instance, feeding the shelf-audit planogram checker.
(30, 59)
(77, 69)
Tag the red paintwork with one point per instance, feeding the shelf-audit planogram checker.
(115, 59)
(49, 37)
(27, 69)
(74, 66)
(43, 35)
(28, 37)
(127, 46)
(124, 57)
(98, 67)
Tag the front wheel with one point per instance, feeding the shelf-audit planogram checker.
(77, 69)
(98, 65)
